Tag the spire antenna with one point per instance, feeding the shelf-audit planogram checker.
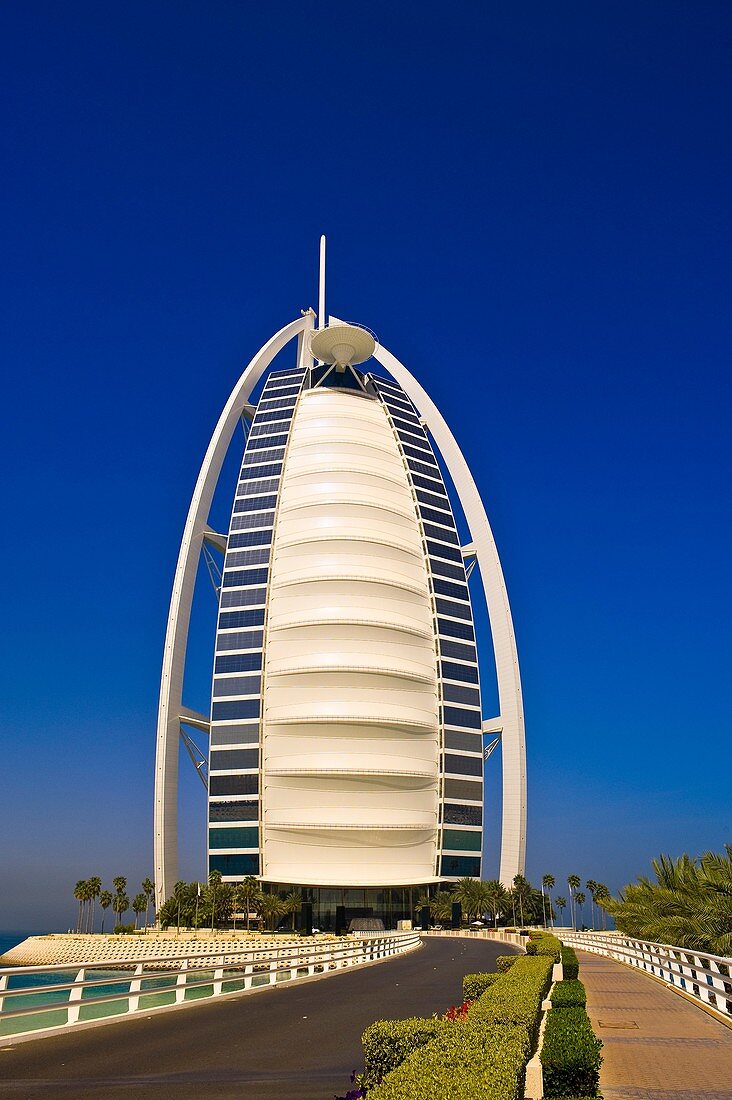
(321, 288)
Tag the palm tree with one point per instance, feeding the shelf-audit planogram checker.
(495, 897)
(179, 891)
(441, 907)
(214, 882)
(270, 907)
(689, 904)
(468, 892)
(574, 882)
(148, 889)
(580, 899)
(120, 904)
(247, 892)
(119, 883)
(80, 895)
(561, 905)
(522, 890)
(548, 883)
(139, 905)
(105, 900)
(293, 903)
(602, 895)
(591, 885)
(94, 889)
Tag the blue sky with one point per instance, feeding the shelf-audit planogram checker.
(529, 204)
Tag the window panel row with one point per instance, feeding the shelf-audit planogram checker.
(460, 866)
(457, 693)
(462, 741)
(453, 629)
(243, 597)
(245, 639)
(458, 651)
(253, 487)
(238, 685)
(245, 837)
(233, 811)
(440, 550)
(449, 588)
(235, 619)
(239, 662)
(456, 839)
(234, 760)
(467, 673)
(250, 538)
(465, 719)
(254, 519)
(443, 534)
(234, 866)
(463, 790)
(462, 815)
(446, 569)
(233, 784)
(247, 557)
(234, 577)
(456, 610)
(463, 765)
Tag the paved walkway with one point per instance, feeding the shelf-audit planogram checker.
(658, 1045)
(298, 1041)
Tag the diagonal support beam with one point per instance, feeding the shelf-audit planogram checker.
(215, 539)
(198, 759)
(195, 719)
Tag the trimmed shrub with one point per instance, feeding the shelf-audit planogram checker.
(570, 1055)
(570, 963)
(546, 944)
(475, 985)
(505, 962)
(569, 994)
(388, 1042)
(482, 1058)
(466, 1063)
(532, 947)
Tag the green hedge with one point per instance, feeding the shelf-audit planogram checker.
(543, 943)
(475, 985)
(570, 963)
(465, 1063)
(505, 962)
(481, 1058)
(570, 1055)
(569, 994)
(388, 1042)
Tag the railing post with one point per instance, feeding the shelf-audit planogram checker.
(218, 982)
(3, 987)
(135, 987)
(72, 1015)
(180, 983)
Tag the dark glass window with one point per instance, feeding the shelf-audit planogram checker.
(247, 837)
(463, 815)
(421, 457)
(276, 401)
(463, 742)
(456, 693)
(236, 708)
(438, 550)
(234, 759)
(250, 640)
(283, 416)
(443, 534)
(233, 577)
(268, 470)
(233, 811)
(413, 436)
(456, 630)
(463, 765)
(421, 468)
(242, 597)
(234, 619)
(247, 557)
(239, 662)
(434, 486)
(250, 538)
(282, 389)
(225, 734)
(459, 672)
(434, 500)
(449, 607)
(456, 716)
(460, 790)
(458, 651)
(259, 443)
(234, 866)
(445, 569)
(433, 516)
(254, 519)
(399, 401)
(456, 838)
(237, 685)
(460, 866)
(404, 421)
(255, 504)
(447, 588)
(233, 784)
(278, 376)
(248, 487)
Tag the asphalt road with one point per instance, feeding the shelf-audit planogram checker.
(299, 1041)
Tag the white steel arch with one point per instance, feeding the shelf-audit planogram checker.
(511, 720)
(170, 708)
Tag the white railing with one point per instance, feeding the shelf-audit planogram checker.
(707, 978)
(151, 983)
(497, 935)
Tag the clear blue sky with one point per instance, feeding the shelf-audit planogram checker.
(529, 203)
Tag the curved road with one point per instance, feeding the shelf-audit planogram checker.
(300, 1041)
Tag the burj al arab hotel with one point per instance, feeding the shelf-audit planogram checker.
(346, 737)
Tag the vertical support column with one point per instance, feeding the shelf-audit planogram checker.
(72, 1015)
(135, 987)
(180, 983)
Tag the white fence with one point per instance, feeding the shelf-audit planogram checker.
(100, 990)
(707, 978)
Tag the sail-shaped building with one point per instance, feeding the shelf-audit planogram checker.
(346, 732)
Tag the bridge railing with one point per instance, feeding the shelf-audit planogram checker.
(47, 999)
(707, 978)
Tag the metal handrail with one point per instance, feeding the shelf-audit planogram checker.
(701, 975)
(273, 965)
